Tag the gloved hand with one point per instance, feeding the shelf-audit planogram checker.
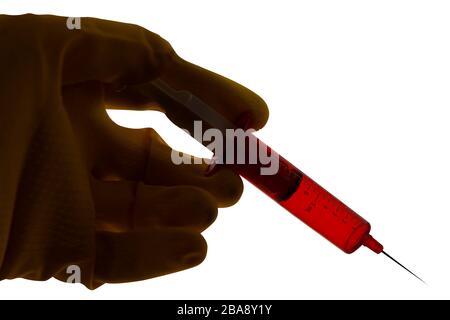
(76, 189)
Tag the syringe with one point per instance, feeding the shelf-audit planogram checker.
(289, 186)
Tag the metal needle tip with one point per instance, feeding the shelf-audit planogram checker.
(402, 266)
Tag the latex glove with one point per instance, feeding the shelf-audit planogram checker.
(76, 189)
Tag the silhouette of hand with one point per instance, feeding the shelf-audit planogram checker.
(76, 189)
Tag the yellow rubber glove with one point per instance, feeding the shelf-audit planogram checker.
(76, 189)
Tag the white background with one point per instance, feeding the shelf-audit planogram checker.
(359, 99)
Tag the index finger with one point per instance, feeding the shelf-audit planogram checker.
(226, 97)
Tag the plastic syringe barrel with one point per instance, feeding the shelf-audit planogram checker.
(309, 202)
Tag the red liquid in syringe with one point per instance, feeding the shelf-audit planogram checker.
(311, 203)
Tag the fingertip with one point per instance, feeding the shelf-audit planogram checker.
(202, 206)
(208, 209)
(195, 257)
(187, 207)
(135, 256)
(258, 112)
(229, 187)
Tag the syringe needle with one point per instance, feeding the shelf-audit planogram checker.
(401, 265)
